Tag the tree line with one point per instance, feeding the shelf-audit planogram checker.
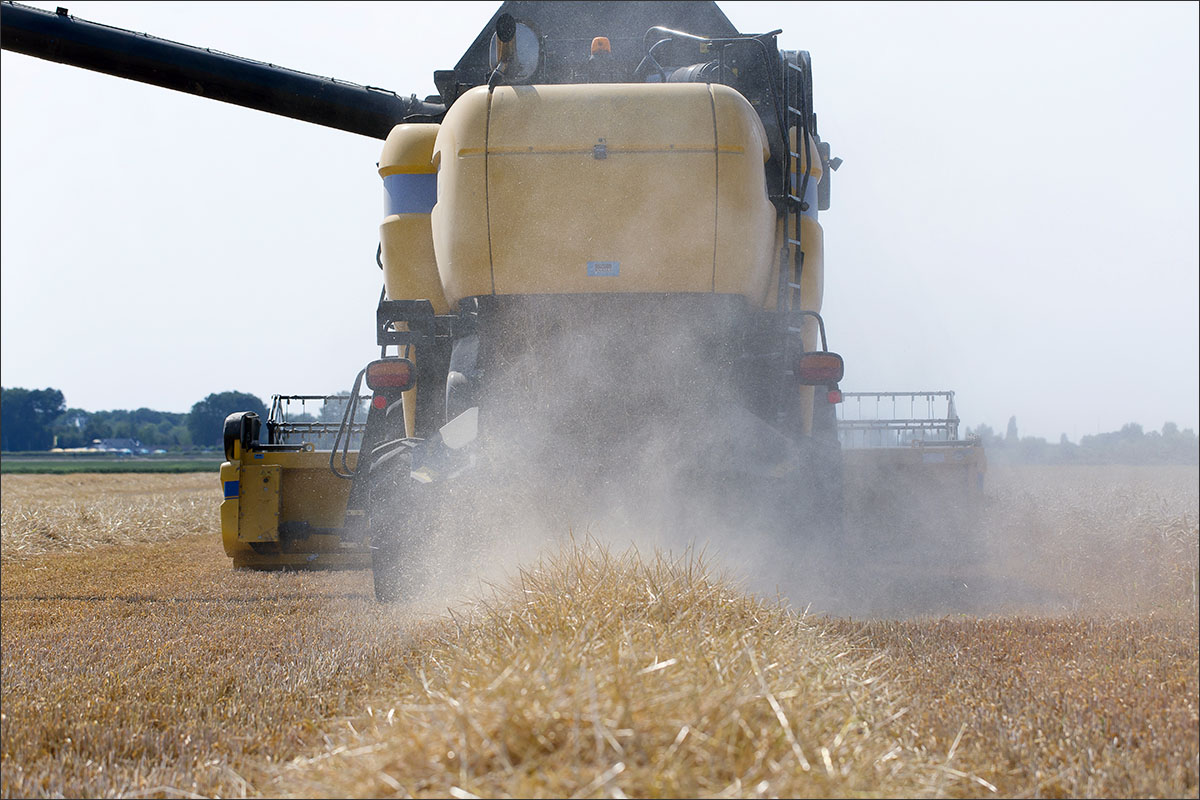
(39, 419)
(1130, 445)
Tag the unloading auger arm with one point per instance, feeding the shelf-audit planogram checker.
(57, 36)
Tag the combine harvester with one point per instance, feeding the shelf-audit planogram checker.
(601, 258)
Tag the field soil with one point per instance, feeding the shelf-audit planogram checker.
(137, 663)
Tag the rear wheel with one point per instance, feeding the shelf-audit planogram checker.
(394, 522)
(390, 584)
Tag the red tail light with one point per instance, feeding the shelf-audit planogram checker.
(396, 374)
(814, 369)
(379, 401)
(834, 396)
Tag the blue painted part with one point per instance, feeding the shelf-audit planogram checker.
(232, 488)
(258, 455)
(409, 194)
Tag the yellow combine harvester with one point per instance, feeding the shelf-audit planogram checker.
(600, 243)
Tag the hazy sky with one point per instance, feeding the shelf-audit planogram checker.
(1016, 218)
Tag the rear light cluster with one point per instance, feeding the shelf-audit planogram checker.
(389, 376)
(819, 368)
(822, 369)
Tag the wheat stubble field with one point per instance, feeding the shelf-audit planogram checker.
(136, 663)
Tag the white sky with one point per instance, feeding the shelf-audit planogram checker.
(1016, 218)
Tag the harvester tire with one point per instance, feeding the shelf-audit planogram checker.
(385, 570)
(393, 516)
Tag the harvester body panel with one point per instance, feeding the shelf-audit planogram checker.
(286, 510)
(603, 188)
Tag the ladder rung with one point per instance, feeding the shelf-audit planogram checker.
(796, 242)
(794, 330)
(795, 66)
(794, 285)
(795, 198)
(796, 111)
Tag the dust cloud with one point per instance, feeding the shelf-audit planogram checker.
(657, 450)
(629, 421)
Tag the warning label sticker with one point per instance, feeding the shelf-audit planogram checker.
(603, 269)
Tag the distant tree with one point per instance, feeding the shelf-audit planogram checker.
(99, 426)
(987, 436)
(1068, 452)
(69, 428)
(171, 434)
(1129, 445)
(206, 420)
(146, 433)
(1010, 435)
(1035, 450)
(27, 417)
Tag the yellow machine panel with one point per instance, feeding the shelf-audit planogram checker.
(536, 188)
(745, 218)
(405, 236)
(265, 492)
(410, 270)
(258, 503)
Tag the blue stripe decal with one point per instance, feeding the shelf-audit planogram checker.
(232, 488)
(409, 194)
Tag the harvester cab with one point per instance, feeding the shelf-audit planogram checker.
(601, 261)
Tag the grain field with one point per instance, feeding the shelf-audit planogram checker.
(136, 663)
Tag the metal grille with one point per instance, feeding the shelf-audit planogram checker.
(897, 419)
(313, 418)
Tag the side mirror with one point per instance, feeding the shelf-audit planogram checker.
(819, 368)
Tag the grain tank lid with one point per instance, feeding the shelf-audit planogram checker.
(569, 26)
(620, 118)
